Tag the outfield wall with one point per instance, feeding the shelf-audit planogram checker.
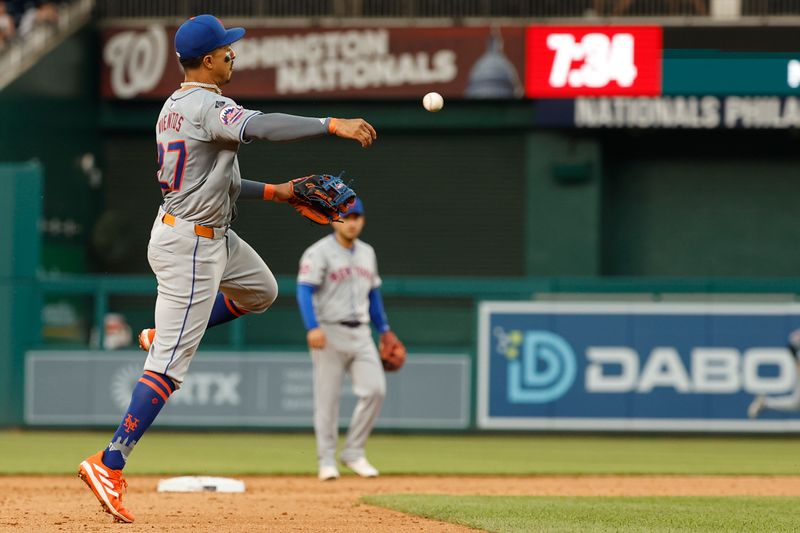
(544, 366)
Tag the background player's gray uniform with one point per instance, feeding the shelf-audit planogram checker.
(198, 135)
(343, 278)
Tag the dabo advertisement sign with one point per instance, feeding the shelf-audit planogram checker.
(615, 366)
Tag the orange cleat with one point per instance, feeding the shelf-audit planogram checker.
(107, 485)
(146, 338)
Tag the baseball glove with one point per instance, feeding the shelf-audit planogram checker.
(393, 352)
(321, 198)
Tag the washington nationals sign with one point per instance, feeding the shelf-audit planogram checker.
(634, 366)
(140, 62)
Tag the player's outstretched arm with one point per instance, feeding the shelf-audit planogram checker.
(280, 127)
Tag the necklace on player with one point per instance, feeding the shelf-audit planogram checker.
(211, 86)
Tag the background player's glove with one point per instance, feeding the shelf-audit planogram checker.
(393, 352)
(321, 198)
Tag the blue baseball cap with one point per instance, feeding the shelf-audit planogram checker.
(356, 209)
(201, 34)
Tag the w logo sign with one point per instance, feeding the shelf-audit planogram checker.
(543, 368)
(136, 61)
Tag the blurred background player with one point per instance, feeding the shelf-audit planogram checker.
(117, 333)
(207, 275)
(338, 290)
(785, 403)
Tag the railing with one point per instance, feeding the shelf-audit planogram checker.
(21, 54)
(101, 288)
(450, 9)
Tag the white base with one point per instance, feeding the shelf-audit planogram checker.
(200, 484)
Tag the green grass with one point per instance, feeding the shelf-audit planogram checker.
(602, 514)
(220, 453)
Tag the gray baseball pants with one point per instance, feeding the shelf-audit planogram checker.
(347, 350)
(190, 271)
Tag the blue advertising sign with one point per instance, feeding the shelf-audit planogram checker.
(637, 366)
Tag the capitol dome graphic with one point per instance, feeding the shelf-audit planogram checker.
(493, 75)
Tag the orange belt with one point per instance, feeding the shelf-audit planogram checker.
(202, 231)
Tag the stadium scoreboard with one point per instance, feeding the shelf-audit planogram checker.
(573, 61)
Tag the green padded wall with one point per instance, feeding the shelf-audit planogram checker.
(436, 204)
(20, 210)
(704, 205)
(563, 204)
(51, 115)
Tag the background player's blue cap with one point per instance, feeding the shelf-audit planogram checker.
(356, 209)
(201, 34)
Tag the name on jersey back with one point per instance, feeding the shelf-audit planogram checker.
(170, 121)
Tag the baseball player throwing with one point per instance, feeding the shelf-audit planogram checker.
(207, 275)
(338, 290)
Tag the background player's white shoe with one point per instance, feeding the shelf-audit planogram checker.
(756, 406)
(328, 473)
(362, 467)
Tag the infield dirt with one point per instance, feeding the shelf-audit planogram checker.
(286, 503)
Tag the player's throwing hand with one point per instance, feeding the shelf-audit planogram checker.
(357, 129)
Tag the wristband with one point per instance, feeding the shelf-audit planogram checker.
(332, 126)
(269, 192)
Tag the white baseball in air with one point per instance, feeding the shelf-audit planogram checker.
(433, 102)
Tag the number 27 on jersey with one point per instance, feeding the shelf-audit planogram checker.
(171, 166)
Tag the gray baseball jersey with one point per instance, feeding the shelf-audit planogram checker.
(198, 135)
(344, 278)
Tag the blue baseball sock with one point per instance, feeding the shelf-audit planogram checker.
(149, 396)
(224, 310)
